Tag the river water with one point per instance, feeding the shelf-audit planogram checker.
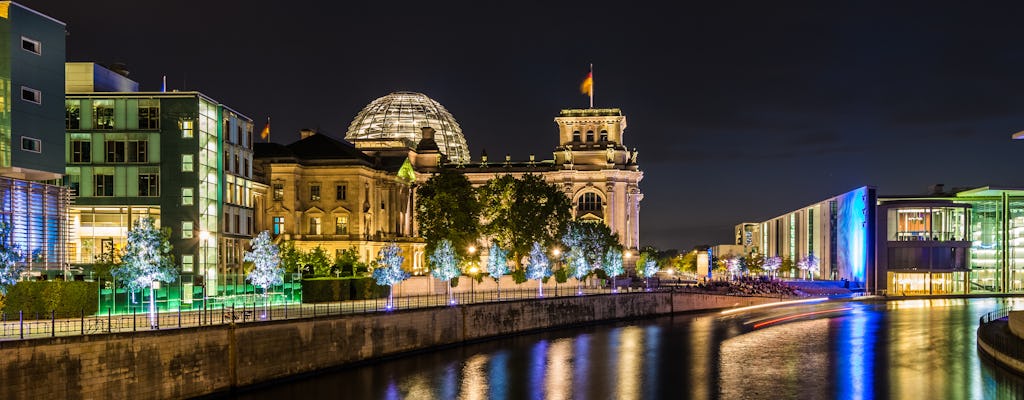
(908, 349)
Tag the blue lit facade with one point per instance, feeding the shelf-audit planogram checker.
(838, 232)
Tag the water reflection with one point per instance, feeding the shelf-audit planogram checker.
(903, 349)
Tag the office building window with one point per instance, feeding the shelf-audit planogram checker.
(314, 225)
(149, 114)
(278, 225)
(187, 230)
(238, 223)
(103, 185)
(314, 192)
(31, 46)
(115, 151)
(138, 151)
(187, 196)
(227, 160)
(187, 262)
(103, 114)
(74, 180)
(187, 128)
(186, 163)
(149, 185)
(31, 144)
(81, 151)
(31, 95)
(341, 225)
(340, 192)
(278, 191)
(73, 114)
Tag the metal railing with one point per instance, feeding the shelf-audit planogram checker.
(20, 325)
(995, 315)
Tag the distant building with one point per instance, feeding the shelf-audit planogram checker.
(746, 234)
(405, 136)
(181, 158)
(32, 137)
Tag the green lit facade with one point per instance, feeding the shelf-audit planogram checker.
(179, 157)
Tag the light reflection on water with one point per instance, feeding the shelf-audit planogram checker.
(901, 349)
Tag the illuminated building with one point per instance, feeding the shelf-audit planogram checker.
(966, 240)
(32, 137)
(179, 157)
(410, 132)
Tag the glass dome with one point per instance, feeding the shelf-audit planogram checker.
(401, 115)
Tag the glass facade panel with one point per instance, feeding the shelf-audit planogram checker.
(1015, 245)
(986, 246)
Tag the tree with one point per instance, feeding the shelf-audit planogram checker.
(10, 270)
(591, 239)
(519, 212)
(446, 265)
(687, 262)
(147, 259)
(266, 261)
(786, 266)
(389, 270)
(735, 266)
(291, 258)
(447, 208)
(346, 260)
(646, 266)
(772, 264)
(613, 264)
(808, 264)
(754, 264)
(318, 260)
(538, 267)
(579, 268)
(497, 265)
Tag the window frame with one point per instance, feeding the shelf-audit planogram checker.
(189, 199)
(37, 96)
(37, 45)
(38, 145)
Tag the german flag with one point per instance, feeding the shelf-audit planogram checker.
(587, 87)
(265, 133)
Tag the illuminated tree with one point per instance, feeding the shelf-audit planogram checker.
(447, 209)
(646, 266)
(266, 261)
(497, 265)
(772, 264)
(446, 265)
(538, 267)
(591, 239)
(735, 266)
(147, 259)
(10, 271)
(578, 267)
(809, 265)
(613, 264)
(389, 270)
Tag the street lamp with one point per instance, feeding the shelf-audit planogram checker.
(472, 271)
(203, 237)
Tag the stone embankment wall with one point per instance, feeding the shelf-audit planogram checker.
(1003, 341)
(198, 361)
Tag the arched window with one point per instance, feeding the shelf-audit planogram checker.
(576, 136)
(589, 202)
(604, 135)
(590, 136)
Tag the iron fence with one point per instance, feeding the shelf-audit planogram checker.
(16, 326)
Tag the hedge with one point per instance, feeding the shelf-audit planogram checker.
(42, 297)
(316, 290)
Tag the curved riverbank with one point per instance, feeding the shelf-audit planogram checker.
(205, 360)
(1000, 339)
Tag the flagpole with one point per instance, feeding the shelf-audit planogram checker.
(268, 129)
(591, 85)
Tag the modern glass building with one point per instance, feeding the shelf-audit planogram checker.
(960, 241)
(179, 157)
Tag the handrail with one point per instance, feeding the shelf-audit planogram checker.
(995, 315)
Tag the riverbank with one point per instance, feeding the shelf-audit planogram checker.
(1002, 339)
(200, 361)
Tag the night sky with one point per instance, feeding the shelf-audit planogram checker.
(741, 111)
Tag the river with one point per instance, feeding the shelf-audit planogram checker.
(906, 349)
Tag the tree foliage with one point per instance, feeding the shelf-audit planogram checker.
(444, 261)
(593, 240)
(497, 262)
(10, 270)
(613, 262)
(147, 257)
(346, 262)
(538, 266)
(686, 262)
(389, 270)
(520, 212)
(291, 258)
(447, 209)
(646, 265)
(266, 260)
(772, 264)
(577, 264)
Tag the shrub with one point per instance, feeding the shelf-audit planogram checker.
(42, 297)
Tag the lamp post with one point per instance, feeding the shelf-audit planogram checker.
(204, 236)
(555, 252)
(472, 274)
